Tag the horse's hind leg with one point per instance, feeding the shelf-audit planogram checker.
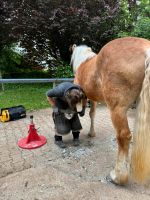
(121, 171)
(92, 116)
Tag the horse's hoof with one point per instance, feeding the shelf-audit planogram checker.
(109, 180)
(118, 179)
(93, 134)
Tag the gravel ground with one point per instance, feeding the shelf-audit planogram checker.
(73, 173)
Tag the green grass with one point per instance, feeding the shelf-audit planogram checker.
(31, 96)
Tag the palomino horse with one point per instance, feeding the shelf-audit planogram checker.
(118, 75)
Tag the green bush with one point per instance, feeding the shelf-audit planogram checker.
(141, 29)
(9, 59)
(62, 71)
(27, 74)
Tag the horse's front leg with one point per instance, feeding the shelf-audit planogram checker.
(92, 116)
(121, 171)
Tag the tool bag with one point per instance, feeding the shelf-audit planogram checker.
(12, 113)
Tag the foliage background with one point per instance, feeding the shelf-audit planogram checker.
(46, 29)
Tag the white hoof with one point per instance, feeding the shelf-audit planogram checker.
(118, 178)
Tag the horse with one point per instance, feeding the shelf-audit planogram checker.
(119, 75)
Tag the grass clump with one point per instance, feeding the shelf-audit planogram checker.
(32, 96)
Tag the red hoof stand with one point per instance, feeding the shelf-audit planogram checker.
(33, 140)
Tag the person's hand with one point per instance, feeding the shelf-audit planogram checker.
(82, 112)
(51, 102)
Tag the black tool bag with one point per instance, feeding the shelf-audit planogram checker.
(13, 113)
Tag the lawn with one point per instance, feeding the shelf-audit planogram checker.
(31, 96)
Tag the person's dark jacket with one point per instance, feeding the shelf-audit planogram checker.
(58, 93)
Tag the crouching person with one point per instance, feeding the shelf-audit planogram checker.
(63, 99)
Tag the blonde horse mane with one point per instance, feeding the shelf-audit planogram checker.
(80, 54)
(140, 158)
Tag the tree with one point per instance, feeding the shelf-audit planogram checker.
(47, 28)
(136, 18)
(9, 59)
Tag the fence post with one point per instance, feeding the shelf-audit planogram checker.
(54, 84)
(2, 83)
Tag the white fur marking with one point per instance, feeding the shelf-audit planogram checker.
(81, 54)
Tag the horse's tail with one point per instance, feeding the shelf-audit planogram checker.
(140, 158)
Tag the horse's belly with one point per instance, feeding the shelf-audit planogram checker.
(95, 95)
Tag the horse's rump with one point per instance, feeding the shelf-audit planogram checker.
(119, 66)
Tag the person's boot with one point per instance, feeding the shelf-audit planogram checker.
(59, 142)
(76, 141)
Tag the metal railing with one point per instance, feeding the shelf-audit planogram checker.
(36, 80)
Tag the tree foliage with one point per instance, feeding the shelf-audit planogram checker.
(137, 18)
(9, 59)
(47, 28)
